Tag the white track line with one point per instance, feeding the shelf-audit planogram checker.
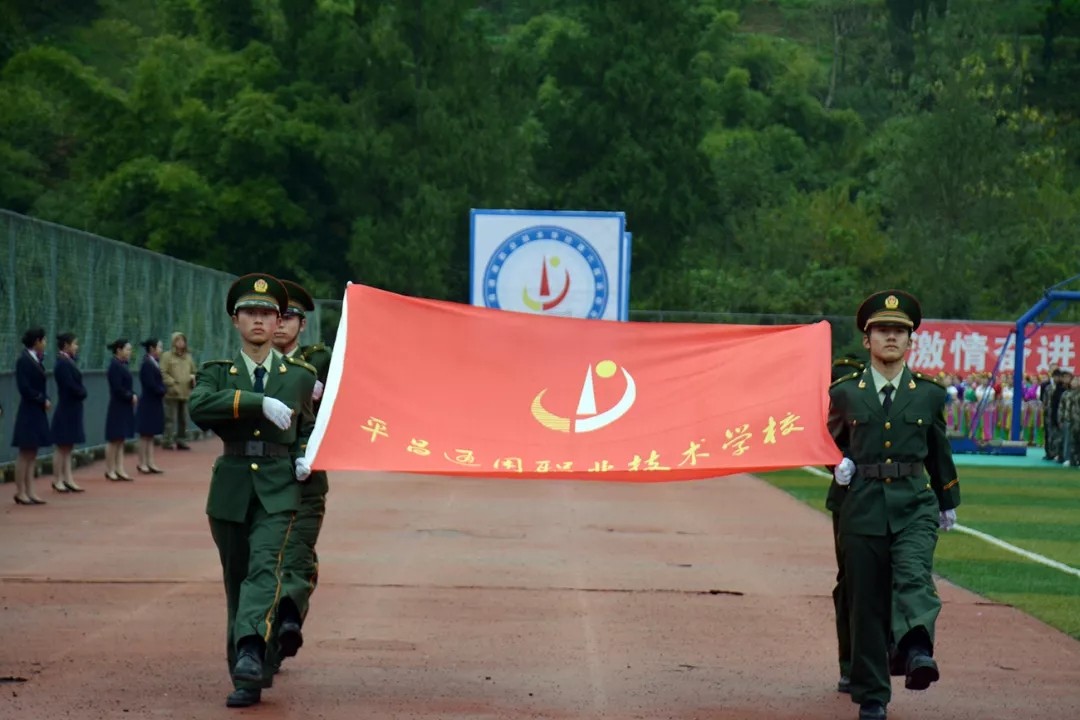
(1034, 557)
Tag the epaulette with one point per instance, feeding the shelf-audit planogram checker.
(852, 376)
(301, 363)
(852, 362)
(927, 378)
(310, 350)
(208, 363)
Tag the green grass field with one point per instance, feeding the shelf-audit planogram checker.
(1033, 508)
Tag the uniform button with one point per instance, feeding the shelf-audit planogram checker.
(888, 443)
(888, 460)
(257, 433)
(919, 421)
(888, 425)
(254, 466)
(888, 480)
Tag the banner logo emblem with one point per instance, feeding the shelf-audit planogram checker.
(587, 418)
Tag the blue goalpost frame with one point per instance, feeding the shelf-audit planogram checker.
(1054, 301)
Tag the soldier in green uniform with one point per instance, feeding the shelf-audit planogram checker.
(301, 563)
(841, 367)
(259, 404)
(889, 423)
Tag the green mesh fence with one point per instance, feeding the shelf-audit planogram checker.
(66, 280)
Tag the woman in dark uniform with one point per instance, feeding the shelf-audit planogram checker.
(32, 419)
(67, 422)
(120, 418)
(150, 417)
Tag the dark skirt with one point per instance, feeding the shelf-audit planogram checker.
(119, 421)
(31, 427)
(150, 416)
(67, 424)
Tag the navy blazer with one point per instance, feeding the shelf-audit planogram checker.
(120, 417)
(150, 417)
(67, 421)
(32, 420)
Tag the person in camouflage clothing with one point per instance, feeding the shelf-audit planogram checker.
(1069, 419)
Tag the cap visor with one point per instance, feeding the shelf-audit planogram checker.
(890, 319)
(267, 304)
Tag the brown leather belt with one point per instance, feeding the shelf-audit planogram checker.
(875, 471)
(255, 448)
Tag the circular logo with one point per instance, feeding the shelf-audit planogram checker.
(892, 302)
(260, 286)
(548, 270)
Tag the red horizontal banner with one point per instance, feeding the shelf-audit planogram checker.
(965, 347)
(440, 388)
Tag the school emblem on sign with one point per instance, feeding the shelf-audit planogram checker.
(548, 270)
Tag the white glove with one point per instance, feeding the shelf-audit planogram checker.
(844, 472)
(317, 392)
(946, 519)
(303, 469)
(277, 412)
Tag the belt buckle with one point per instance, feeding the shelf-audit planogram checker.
(255, 448)
(889, 470)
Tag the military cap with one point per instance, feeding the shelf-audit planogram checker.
(300, 301)
(889, 307)
(257, 290)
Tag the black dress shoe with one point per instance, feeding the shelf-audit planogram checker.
(290, 638)
(844, 685)
(921, 671)
(243, 697)
(249, 667)
(872, 711)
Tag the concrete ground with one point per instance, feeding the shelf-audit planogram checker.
(450, 598)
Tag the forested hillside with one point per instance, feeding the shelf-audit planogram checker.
(782, 156)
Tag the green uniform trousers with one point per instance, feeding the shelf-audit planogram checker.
(840, 603)
(889, 581)
(301, 566)
(252, 556)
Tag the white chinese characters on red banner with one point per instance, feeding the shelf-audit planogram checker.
(965, 347)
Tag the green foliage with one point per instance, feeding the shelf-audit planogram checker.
(783, 156)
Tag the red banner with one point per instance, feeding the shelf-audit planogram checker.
(961, 347)
(441, 388)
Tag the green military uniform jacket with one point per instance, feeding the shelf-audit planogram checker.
(913, 431)
(223, 401)
(318, 356)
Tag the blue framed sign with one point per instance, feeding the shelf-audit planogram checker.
(563, 263)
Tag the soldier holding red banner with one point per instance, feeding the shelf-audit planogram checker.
(300, 561)
(259, 404)
(889, 423)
